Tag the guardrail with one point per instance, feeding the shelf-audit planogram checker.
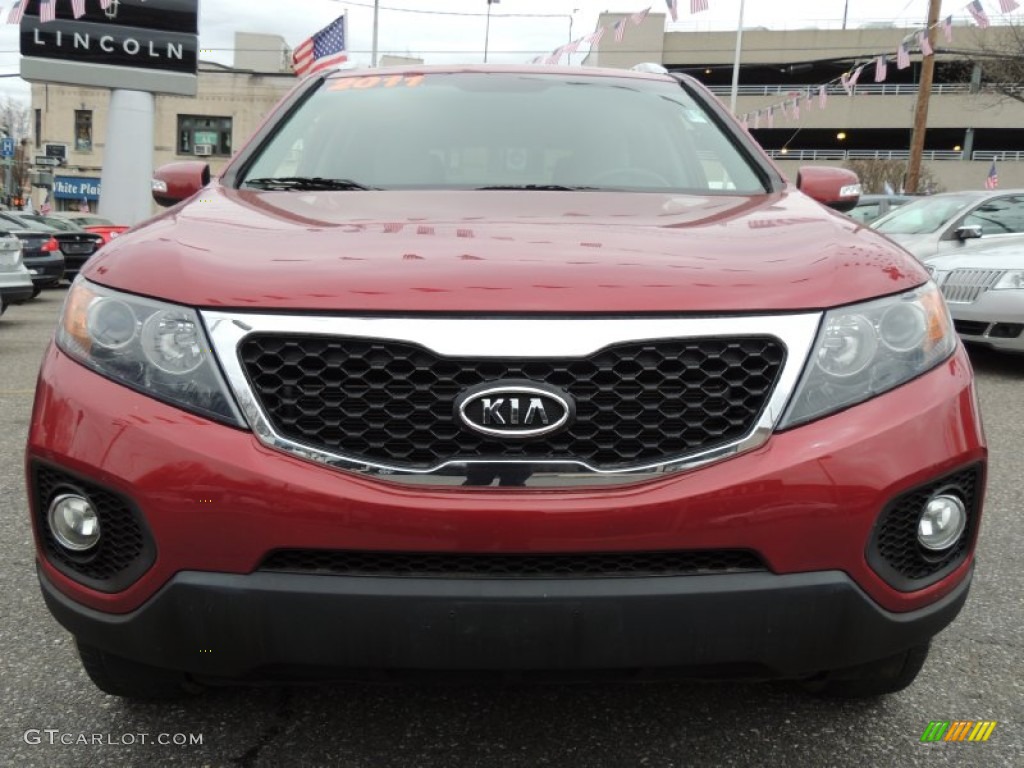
(866, 89)
(890, 154)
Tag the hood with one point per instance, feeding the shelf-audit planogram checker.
(1010, 256)
(921, 246)
(503, 251)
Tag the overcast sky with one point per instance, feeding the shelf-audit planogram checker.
(441, 38)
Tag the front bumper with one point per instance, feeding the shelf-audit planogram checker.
(293, 626)
(215, 502)
(995, 319)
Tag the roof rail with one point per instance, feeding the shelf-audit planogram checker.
(650, 68)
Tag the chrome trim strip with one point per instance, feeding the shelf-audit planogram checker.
(528, 338)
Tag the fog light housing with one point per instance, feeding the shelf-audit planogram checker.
(74, 522)
(943, 520)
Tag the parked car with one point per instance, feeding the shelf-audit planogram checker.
(41, 252)
(15, 280)
(984, 289)
(90, 222)
(954, 221)
(872, 207)
(75, 244)
(568, 378)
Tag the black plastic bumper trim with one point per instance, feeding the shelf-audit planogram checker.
(238, 626)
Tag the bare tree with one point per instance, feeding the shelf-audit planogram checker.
(875, 174)
(14, 118)
(999, 54)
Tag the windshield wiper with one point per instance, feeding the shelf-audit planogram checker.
(537, 187)
(305, 183)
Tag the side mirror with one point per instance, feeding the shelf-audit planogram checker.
(837, 188)
(968, 232)
(175, 182)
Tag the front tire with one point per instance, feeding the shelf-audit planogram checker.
(875, 678)
(132, 679)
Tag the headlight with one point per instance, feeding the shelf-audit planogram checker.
(1014, 279)
(866, 349)
(158, 349)
(10, 253)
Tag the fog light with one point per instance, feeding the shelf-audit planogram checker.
(74, 522)
(942, 522)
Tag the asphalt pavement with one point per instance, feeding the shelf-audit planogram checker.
(51, 715)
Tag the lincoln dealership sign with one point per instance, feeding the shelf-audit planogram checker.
(139, 45)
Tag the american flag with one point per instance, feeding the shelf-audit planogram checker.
(696, 6)
(46, 208)
(902, 57)
(856, 75)
(977, 12)
(992, 180)
(673, 9)
(595, 37)
(17, 11)
(757, 119)
(78, 8)
(1008, 6)
(771, 117)
(323, 50)
(947, 29)
(47, 10)
(638, 18)
(620, 30)
(925, 43)
(844, 80)
(796, 109)
(573, 46)
(822, 96)
(881, 66)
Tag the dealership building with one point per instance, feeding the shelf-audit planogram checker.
(968, 127)
(69, 122)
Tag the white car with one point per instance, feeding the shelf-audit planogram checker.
(956, 221)
(984, 290)
(15, 280)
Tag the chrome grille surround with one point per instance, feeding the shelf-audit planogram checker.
(526, 338)
(964, 286)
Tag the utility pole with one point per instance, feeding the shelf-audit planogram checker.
(487, 31)
(924, 92)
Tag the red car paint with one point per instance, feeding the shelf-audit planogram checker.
(217, 500)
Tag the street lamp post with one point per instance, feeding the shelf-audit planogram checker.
(736, 62)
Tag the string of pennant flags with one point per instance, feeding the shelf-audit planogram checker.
(48, 10)
(617, 30)
(790, 107)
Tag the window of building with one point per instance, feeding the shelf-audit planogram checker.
(204, 135)
(39, 127)
(83, 130)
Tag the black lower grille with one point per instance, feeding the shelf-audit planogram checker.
(970, 327)
(513, 566)
(1006, 331)
(894, 551)
(125, 549)
(393, 403)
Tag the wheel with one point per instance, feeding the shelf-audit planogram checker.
(131, 679)
(875, 678)
(640, 175)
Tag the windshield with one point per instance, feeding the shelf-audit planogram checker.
(923, 216)
(501, 131)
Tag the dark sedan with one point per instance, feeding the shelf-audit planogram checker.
(42, 254)
(75, 244)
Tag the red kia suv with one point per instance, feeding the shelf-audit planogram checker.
(528, 371)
